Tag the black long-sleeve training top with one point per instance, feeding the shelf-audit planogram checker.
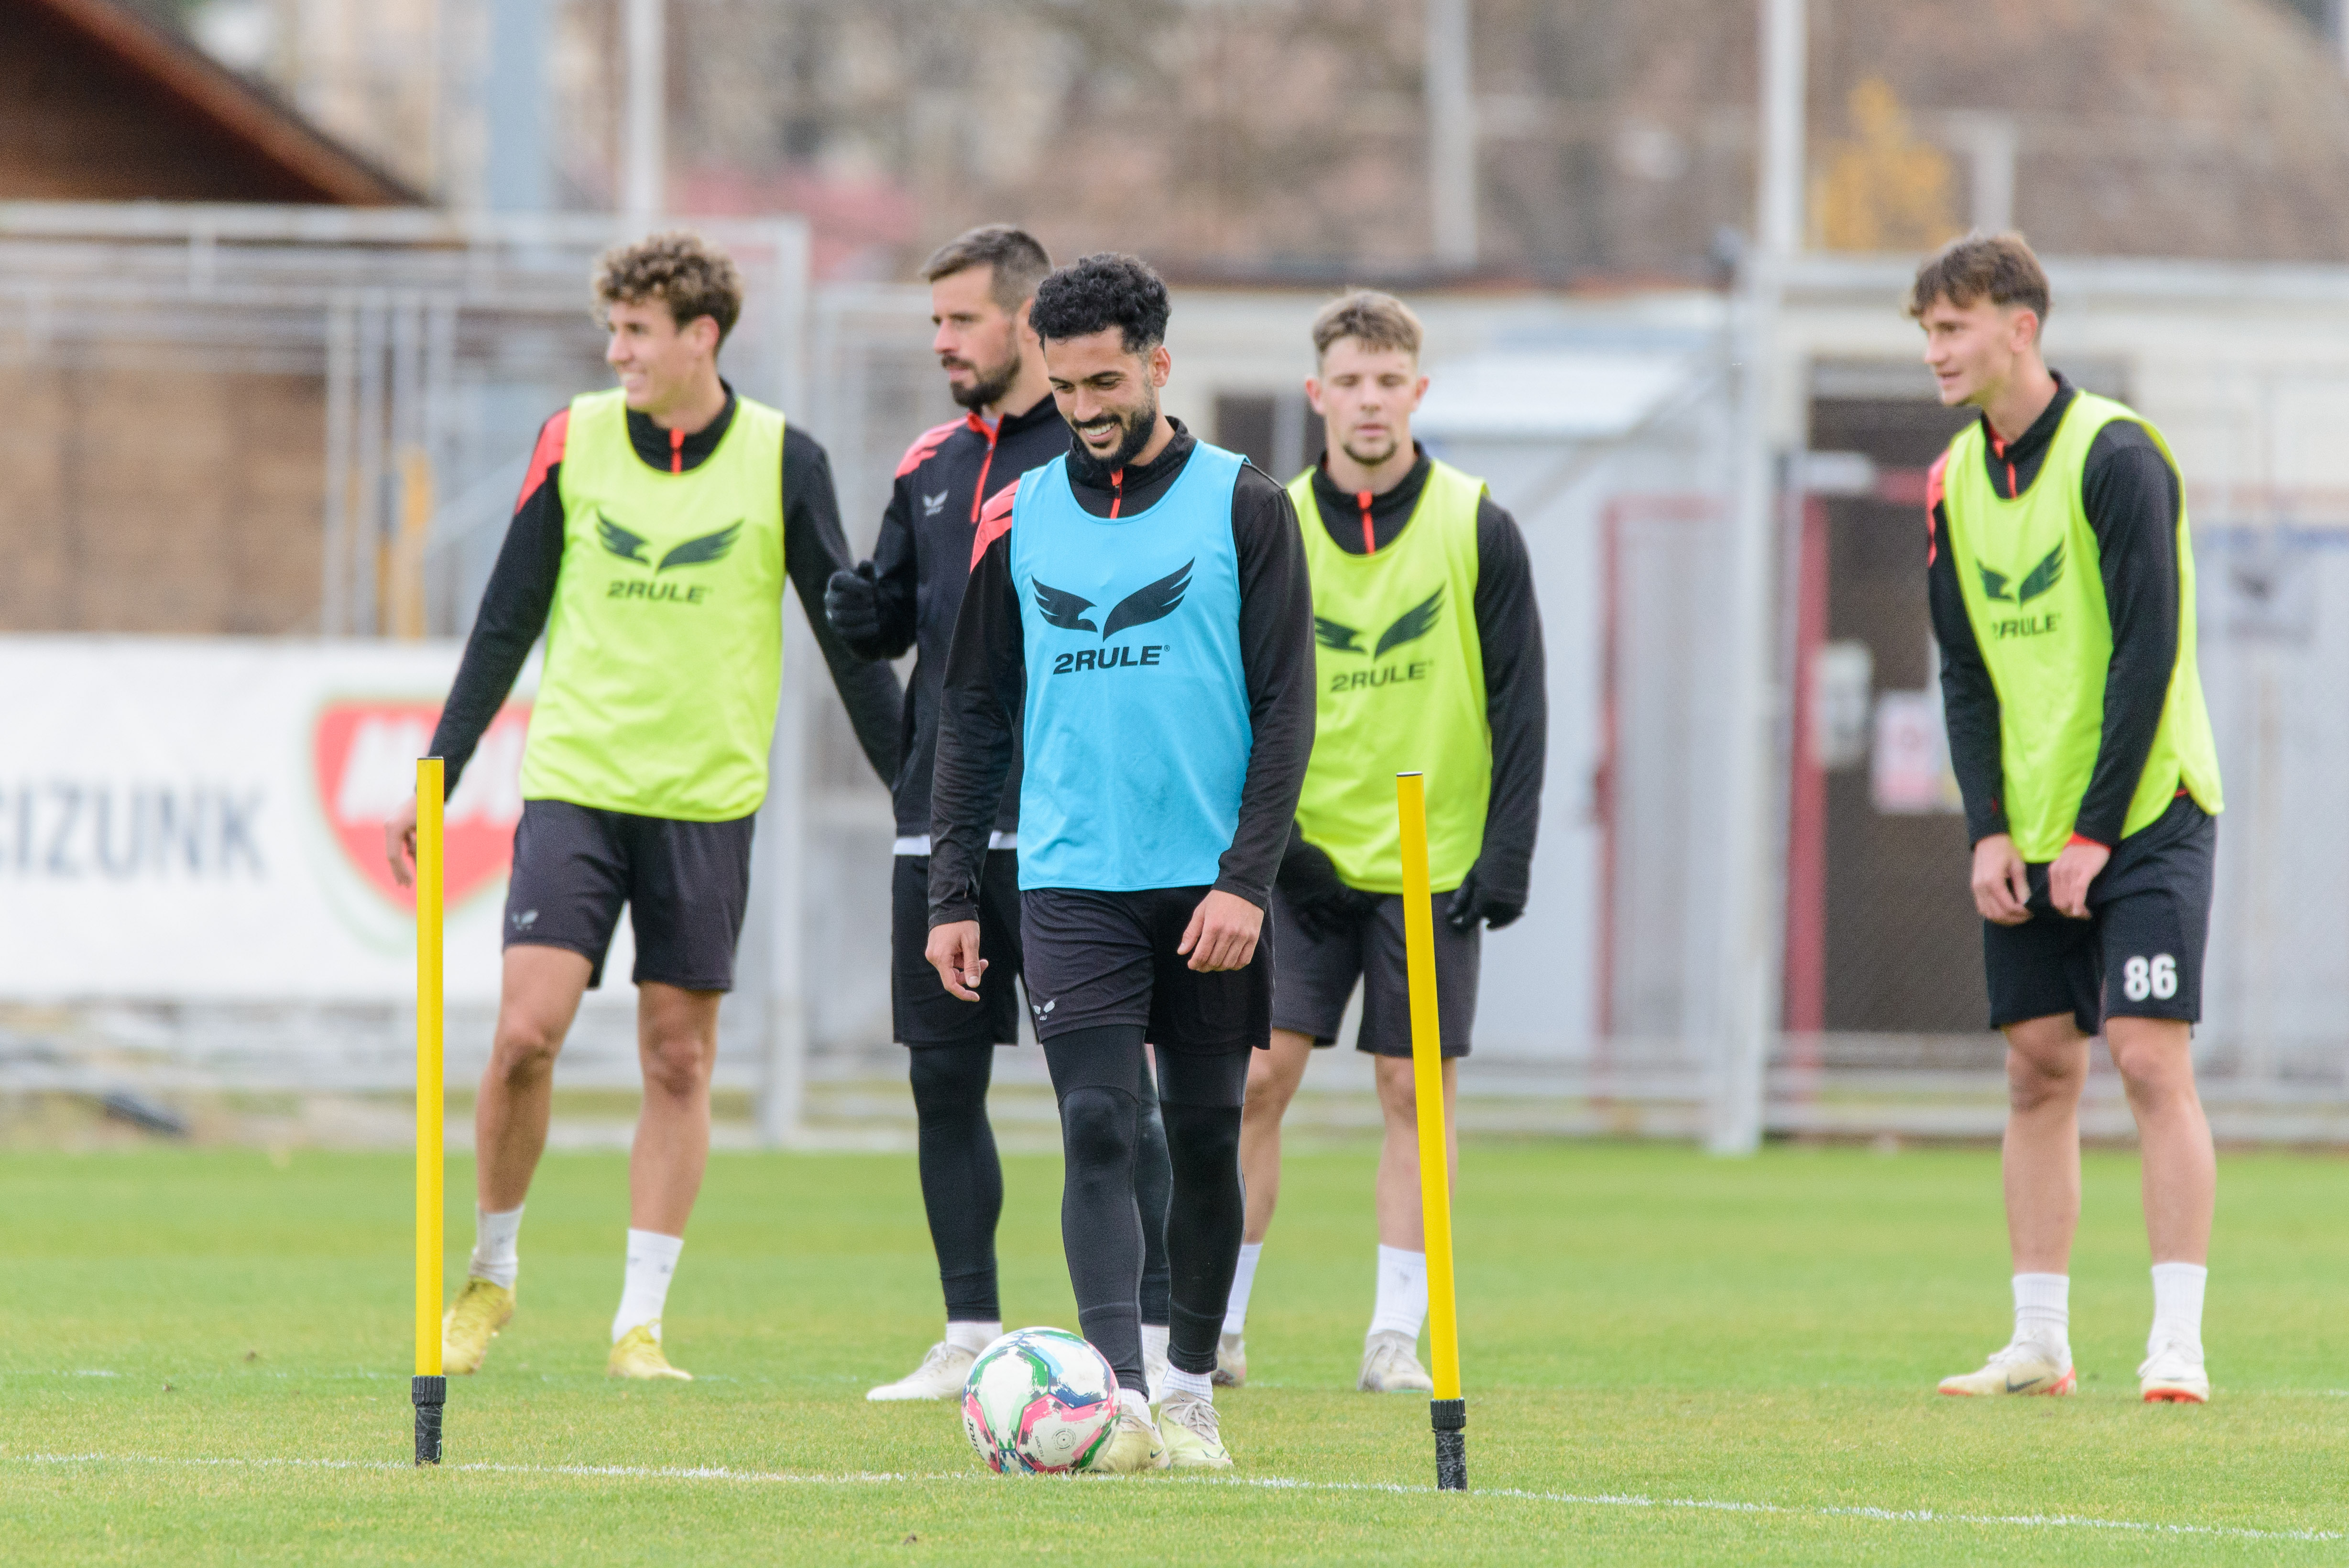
(922, 565)
(521, 592)
(1509, 633)
(2130, 493)
(986, 673)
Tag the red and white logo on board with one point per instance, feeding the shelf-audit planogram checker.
(365, 758)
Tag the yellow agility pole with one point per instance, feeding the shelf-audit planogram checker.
(430, 1390)
(1448, 1414)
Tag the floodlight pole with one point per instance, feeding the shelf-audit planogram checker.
(644, 165)
(1747, 983)
(1451, 135)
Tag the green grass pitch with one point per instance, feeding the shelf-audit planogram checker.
(203, 1357)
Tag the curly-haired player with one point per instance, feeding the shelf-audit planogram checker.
(1148, 593)
(657, 525)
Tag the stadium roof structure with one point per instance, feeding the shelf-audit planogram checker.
(108, 105)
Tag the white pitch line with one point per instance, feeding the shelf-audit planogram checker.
(1273, 1484)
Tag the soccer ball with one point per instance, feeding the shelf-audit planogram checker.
(1038, 1401)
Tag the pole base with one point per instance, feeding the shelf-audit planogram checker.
(1450, 1420)
(428, 1394)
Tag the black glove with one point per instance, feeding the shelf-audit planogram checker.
(852, 603)
(1324, 905)
(1473, 903)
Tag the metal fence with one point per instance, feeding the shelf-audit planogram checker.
(440, 346)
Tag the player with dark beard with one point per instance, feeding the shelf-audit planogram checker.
(982, 284)
(1139, 615)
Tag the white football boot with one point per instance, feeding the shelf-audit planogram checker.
(939, 1376)
(2174, 1374)
(1390, 1365)
(2024, 1366)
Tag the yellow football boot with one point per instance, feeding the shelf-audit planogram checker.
(638, 1354)
(473, 1320)
(1194, 1441)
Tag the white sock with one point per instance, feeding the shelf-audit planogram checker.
(1401, 1305)
(1199, 1385)
(652, 1260)
(2042, 1309)
(1137, 1397)
(972, 1336)
(2178, 1306)
(1153, 1341)
(1243, 1281)
(495, 1257)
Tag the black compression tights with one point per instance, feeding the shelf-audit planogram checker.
(1152, 1184)
(1098, 1075)
(962, 1180)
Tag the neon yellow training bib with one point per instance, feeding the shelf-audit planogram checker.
(1400, 676)
(2030, 571)
(664, 646)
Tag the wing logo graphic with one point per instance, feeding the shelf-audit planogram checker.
(1337, 635)
(620, 541)
(2037, 581)
(698, 552)
(1150, 602)
(934, 504)
(1411, 624)
(1408, 627)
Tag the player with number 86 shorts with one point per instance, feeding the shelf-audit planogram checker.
(2060, 570)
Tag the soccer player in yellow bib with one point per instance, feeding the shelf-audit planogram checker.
(2061, 576)
(657, 523)
(1429, 657)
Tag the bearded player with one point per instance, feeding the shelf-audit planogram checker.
(657, 527)
(1138, 616)
(982, 286)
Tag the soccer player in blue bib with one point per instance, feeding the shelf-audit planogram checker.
(1140, 609)
(908, 596)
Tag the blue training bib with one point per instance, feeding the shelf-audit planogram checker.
(1136, 723)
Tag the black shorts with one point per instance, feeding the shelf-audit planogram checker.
(2139, 953)
(1315, 976)
(921, 1011)
(1096, 958)
(687, 885)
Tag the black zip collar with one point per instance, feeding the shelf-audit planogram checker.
(1362, 522)
(1012, 424)
(2013, 465)
(1124, 484)
(672, 453)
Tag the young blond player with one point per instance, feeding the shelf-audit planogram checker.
(1429, 656)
